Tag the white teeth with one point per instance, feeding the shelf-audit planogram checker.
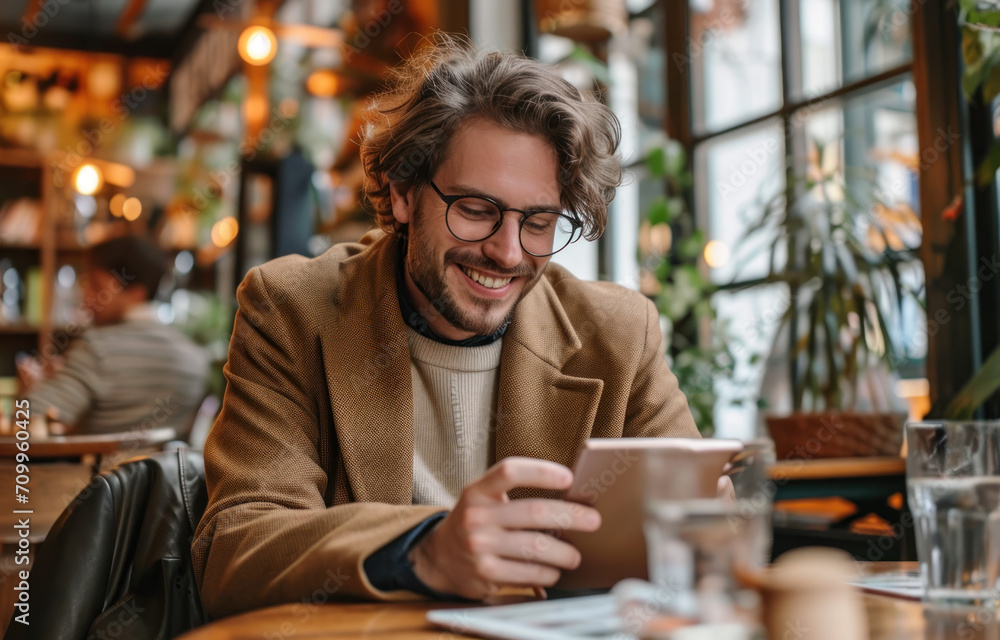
(489, 283)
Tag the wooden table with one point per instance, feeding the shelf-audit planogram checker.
(888, 619)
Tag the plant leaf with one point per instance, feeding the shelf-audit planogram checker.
(658, 211)
(656, 162)
(988, 168)
(981, 386)
(991, 86)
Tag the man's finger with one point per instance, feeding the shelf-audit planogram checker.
(546, 514)
(501, 571)
(521, 472)
(538, 548)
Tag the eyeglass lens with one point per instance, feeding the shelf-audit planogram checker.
(542, 233)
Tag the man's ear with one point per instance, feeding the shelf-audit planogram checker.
(403, 196)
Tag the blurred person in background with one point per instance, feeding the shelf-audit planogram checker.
(129, 371)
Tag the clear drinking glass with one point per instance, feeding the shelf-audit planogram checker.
(953, 482)
(697, 547)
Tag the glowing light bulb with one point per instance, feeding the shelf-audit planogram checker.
(258, 45)
(716, 254)
(131, 209)
(88, 179)
(116, 203)
(224, 231)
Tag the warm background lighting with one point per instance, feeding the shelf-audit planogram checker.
(258, 45)
(255, 108)
(116, 203)
(224, 231)
(716, 254)
(88, 180)
(323, 83)
(131, 209)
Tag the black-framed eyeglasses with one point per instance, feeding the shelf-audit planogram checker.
(476, 218)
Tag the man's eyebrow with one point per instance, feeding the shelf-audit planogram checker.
(466, 190)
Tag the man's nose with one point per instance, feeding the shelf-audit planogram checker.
(504, 246)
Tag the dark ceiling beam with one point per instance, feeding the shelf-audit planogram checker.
(130, 13)
(31, 11)
(151, 46)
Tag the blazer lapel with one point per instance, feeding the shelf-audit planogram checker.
(542, 412)
(367, 362)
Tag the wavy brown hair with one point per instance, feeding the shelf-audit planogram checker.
(408, 127)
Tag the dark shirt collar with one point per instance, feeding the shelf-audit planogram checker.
(415, 321)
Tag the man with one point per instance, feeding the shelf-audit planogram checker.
(128, 371)
(387, 397)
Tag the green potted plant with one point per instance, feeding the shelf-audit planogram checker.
(699, 345)
(841, 249)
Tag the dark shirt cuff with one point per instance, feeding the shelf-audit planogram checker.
(389, 569)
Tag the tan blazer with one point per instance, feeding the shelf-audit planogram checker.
(310, 463)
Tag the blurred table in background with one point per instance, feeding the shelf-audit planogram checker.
(854, 504)
(93, 448)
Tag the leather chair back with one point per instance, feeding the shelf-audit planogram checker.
(117, 563)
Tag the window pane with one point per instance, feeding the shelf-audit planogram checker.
(735, 174)
(843, 42)
(871, 139)
(751, 319)
(734, 53)
(869, 143)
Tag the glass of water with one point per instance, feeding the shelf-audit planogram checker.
(698, 546)
(953, 483)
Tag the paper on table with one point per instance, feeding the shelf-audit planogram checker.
(897, 584)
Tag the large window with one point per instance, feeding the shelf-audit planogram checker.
(768, 89)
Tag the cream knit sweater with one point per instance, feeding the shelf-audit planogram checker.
(454, 416)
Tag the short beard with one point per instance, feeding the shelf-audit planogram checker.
(429, 278)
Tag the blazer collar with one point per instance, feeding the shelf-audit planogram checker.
(541, 412)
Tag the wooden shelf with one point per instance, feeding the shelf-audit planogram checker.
(46, 253)
(35, 247)
(19, 329)
(20, 158)
(826, 468)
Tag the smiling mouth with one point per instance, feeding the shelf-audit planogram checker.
(486, 281)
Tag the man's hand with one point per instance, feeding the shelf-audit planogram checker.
(29, 371)
(488, 541)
